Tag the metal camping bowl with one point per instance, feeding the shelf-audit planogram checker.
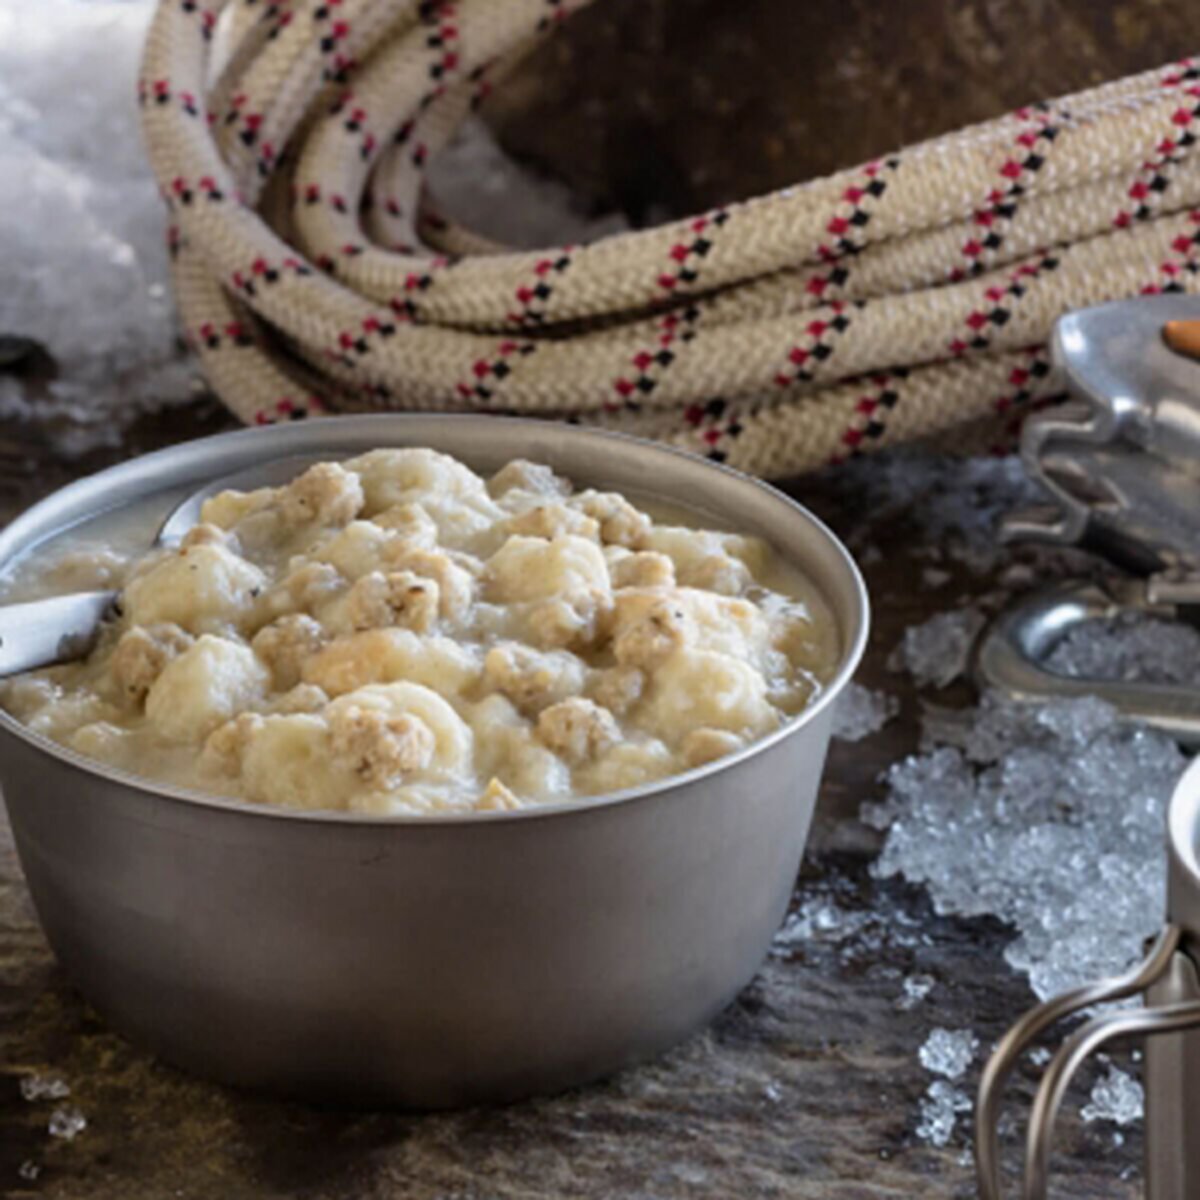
(1169, 980)
(424, 962)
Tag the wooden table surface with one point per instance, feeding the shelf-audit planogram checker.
(808, 1086)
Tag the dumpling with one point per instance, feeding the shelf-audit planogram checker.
(695, 688)
(388, 655)
(203, 687)
(531, 568)
(202, 589)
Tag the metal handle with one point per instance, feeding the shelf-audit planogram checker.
(1081, 420)
(50, 631)
(1171, 1018)
(1063, 1066)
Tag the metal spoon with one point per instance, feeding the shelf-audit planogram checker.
(58, 629)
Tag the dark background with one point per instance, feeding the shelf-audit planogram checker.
(663, 107)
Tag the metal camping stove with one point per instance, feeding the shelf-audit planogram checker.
(1122, 462)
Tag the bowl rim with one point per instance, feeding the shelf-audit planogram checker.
(850, 656)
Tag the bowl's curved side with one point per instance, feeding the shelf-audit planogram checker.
(420, 966)
(415, 961)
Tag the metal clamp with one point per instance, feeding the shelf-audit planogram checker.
(1121, 461)
(1171, 1018)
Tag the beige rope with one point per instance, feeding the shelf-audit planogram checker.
(899, 299)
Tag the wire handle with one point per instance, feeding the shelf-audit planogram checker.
(1066, 1062)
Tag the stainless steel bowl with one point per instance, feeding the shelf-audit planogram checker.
(424, 962)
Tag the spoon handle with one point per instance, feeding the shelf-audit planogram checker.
(44, 632)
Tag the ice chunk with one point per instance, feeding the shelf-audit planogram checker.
(820, 919)
(949, 1052)
(940, 1108)
(827, 921)
(67, 1123)
(1117, 1097)
(44, 1087)
(861, 712)
(1049, 817)
(1131, 646)
(915, 988)
(82, 231)
(954, 503)
(937, 652)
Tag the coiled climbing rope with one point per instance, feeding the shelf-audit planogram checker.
(899, 299)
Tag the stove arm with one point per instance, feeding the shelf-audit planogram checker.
(1170, 1175)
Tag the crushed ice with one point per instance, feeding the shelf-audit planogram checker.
(940, 1109)
(856, 934)
(94, 292)
(937, 652)
(1116, 1097)
(861, 712)
(1130, 647)
(66, 1123)
(44, 1087)
(956, 503)
(949, 1052)
(1049, 817)
(821, 919)
(915, 990)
